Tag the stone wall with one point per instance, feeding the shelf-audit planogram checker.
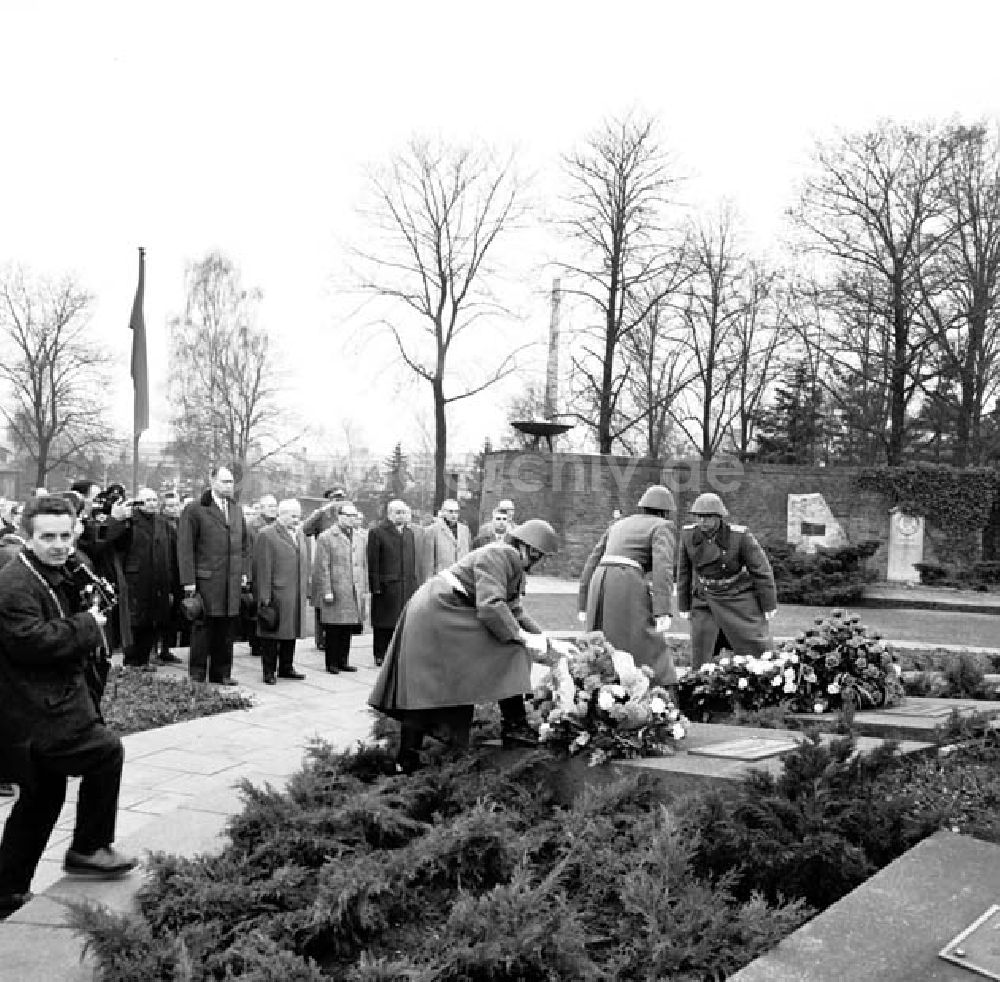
(578, 494)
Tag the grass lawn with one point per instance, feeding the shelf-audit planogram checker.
(557, 612)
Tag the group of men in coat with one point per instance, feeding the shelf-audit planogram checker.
(724, 583)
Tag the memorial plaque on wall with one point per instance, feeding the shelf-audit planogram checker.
(977, 948)
(811, 523)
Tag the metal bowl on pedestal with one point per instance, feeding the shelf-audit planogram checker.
(538, 428)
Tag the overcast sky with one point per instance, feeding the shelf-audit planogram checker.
(248, 127)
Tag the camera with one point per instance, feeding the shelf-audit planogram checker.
(108, 498)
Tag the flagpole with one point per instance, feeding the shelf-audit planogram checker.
(140, 375)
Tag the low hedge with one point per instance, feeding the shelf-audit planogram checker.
(472, 871)
(828, 577)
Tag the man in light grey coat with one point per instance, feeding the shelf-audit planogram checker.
(445, 541)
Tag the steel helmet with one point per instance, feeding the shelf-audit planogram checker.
(709, 504)
(658, 497)
(538, 534)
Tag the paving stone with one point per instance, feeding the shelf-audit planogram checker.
(891, 928)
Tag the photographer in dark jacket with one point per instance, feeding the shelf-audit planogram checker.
(149, 577)
(50, 724)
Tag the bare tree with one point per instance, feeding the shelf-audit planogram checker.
(874, 209)
(224, 382)
(438, 212)
(658, 370)
(619, 186)
(54, 373)
(960, 290)
(714, 315)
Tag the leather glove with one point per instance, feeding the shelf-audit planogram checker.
(662, 623)
(534, 642)
(582, 617)
(769, 614)
(189, 590)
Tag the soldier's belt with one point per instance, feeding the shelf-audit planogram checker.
(620, 561)
(722, 583)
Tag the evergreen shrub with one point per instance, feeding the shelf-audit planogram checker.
(828, 577)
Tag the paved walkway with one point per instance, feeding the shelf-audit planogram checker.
(179, 789)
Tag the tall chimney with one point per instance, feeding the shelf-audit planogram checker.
(552, 368)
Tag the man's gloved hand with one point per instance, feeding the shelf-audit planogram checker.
(582, 617)
(189, 590)
(534, 642)
(328, 598)
(684, 615)
(662, 623)
(769, 614)
(95, 612)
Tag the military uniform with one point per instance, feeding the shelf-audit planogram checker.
(725, 581)
(627, 583)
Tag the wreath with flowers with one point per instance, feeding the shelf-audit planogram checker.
(835, 659)
(595, 700)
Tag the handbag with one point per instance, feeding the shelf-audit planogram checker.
(267, 616)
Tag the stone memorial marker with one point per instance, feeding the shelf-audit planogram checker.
(977, 948)
(906, 547)
(750, 748)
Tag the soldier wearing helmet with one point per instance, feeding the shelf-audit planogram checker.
(463, 639)
(724, 583)
(627, 584)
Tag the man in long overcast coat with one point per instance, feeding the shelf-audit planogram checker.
(213, 553)
(392, 573)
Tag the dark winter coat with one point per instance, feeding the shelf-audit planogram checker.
(281, 577)
(149, 569)
(45, 642)
(392, 571)
(212, 555)
(726, 582)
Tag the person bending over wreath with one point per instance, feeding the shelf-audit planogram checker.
(463, 639)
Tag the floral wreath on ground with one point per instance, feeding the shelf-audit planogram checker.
(814, 672)
(595, 700)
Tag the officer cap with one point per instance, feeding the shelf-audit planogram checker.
(709, 504)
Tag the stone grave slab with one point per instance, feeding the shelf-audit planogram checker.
(895, 926)
(977, 948)
(748, 748)
(915, 719)
(698, 766)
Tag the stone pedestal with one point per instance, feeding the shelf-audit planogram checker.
(906, 547)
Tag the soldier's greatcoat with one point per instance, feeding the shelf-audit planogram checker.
(725, 581)
(628, 582)
(457, 641)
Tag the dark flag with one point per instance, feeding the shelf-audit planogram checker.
(140, 374)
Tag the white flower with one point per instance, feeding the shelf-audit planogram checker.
(657, 705)
(897, 669)
(618, 691)
(582, 740)
(766, 655)
(724, 662)
(742, 684)
(756, 667)
(544, 731)
(605, 700)
(792, 658)
(677, 731)
(818, 707)
(833, 688)
(776, 681)
(789, 673)
(708, 668)
(790, 687)
(739, 659)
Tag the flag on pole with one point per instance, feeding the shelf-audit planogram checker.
(140, 374)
